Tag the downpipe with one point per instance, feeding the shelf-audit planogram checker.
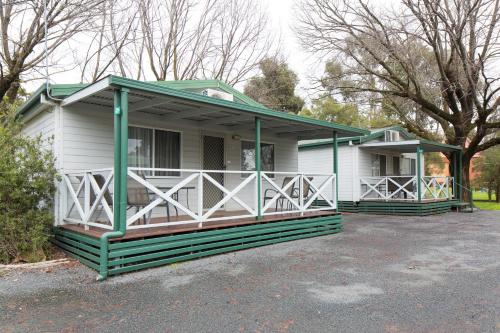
(120, 183)
(104, 254)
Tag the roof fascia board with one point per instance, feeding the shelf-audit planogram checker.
(391, 143)
(341, 142)
(31, 101)
(87, 91)
(441, 145)
(259, 111)
(34, 111)
(64, 90)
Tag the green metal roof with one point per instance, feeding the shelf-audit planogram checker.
(193, 85)
(181, 89)
(64, 90)
(258, 110)
(374, 134)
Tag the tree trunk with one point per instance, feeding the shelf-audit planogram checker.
(497, 193)
(4, 86)
(489, 192)
(466, 194)
(9, 87)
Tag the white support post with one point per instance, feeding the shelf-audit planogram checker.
(301, 194)
(200, 199)
(335, 196)
(386, 187)
(86, 202)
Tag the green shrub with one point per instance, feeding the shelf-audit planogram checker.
(27, 186)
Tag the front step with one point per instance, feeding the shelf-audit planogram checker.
(464, 207)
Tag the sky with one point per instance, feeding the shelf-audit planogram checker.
(281, 16)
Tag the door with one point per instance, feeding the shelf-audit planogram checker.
(383, 165)
(395, 166)
(213, 159)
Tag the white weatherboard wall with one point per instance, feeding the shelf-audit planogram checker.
(42, 124)
(365, 161)
(354, 162)
(320, 160)
(88, 144)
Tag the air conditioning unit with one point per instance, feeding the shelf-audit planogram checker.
(218, 94)
(391, 136)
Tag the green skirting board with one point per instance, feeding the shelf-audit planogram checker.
(135, 254)
(397, 208)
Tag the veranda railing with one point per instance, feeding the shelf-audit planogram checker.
(406, 188)
(194, 196)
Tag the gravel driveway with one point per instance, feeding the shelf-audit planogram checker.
(382, 274)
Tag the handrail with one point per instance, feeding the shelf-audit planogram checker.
(471, 199)
(86, 195)
(377, 187)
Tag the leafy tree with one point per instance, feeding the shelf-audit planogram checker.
(27, 185)
(434, 163)
(329, 109)
(432, 62)
(488, 166)
(372, 115)
(275, 87)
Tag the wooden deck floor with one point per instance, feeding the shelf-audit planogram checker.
(406, 201)
(166, 230)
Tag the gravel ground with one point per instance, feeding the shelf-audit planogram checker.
(382, 274)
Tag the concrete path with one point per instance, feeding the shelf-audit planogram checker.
(382, 274)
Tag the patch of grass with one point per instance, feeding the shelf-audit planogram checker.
(482, 195)
(487, 205)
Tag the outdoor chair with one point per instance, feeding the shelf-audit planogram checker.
(391, 187)
(271, 193)
(305, 194)
(138, 197)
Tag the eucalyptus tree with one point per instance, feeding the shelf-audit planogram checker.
(434, 62)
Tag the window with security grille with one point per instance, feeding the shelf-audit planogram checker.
(152, 148)
(248, 156)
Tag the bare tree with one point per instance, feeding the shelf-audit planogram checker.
(175, 36)
(109, 35)
(432, 59)
(184, 39)
(22, 34)
(241, 39)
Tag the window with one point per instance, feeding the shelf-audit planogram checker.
(152, 148)
(248, 156)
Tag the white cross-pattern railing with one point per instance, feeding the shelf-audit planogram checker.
(86, 202)
(179, 200)
(405, 188)
(320, 187)
(388, 188)
(437, 187)
(200, 214)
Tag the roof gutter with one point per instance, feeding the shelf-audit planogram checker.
(31, 101)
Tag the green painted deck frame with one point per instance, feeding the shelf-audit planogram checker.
(398, 208)
(121, 256)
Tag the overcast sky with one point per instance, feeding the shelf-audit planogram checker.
(281, 13)
(281, 17)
